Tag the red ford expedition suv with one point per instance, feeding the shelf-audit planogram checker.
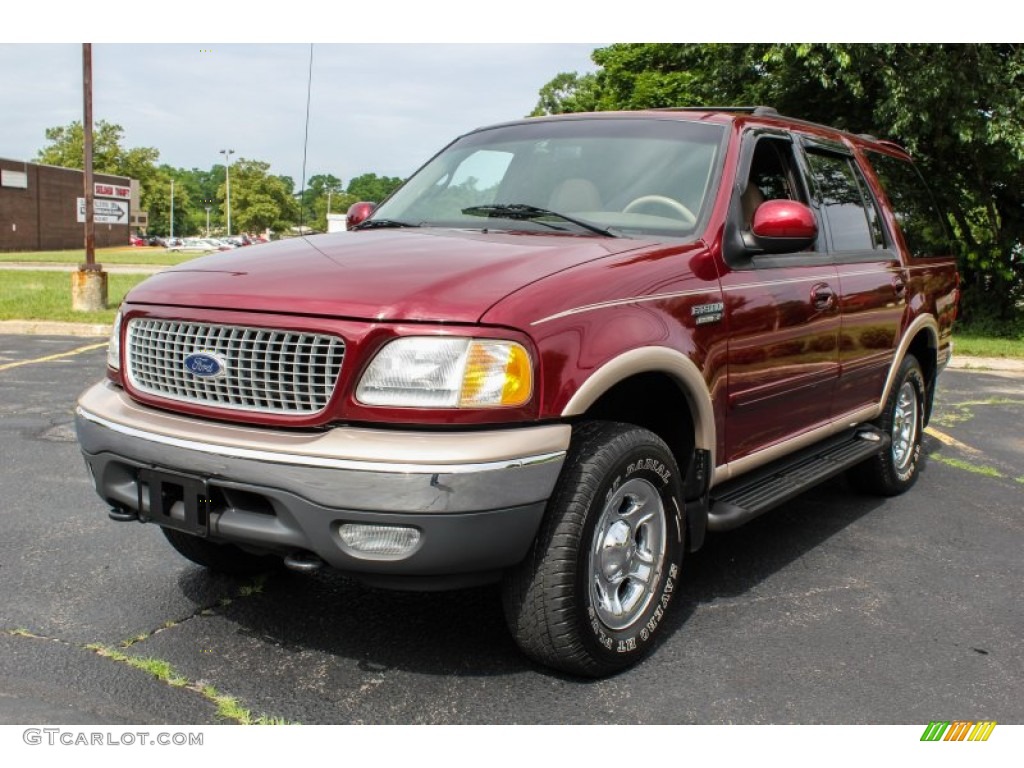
(564, 350)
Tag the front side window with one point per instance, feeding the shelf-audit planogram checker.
(631, 176)
(773, 176)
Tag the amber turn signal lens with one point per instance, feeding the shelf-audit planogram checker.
(497, 373)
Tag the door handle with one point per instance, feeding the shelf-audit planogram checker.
(822, 296)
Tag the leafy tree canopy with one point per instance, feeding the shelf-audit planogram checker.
(259, 200)
(109, 155)
(372, 187)
(955, 107)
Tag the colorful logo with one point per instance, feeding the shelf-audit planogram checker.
(958, 730)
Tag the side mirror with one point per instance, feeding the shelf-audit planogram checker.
(358, 213)
(782, 226)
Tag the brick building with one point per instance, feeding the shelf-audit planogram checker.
(39, 208)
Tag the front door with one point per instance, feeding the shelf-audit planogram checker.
(783, 315)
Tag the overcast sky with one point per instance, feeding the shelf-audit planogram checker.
(380, 108)
(392, 82)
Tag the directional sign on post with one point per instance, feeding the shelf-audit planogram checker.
(104, 211)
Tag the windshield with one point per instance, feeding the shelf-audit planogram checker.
(628, 176)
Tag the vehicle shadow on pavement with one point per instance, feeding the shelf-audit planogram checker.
(463, 632)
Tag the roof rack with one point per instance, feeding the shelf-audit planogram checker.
(763, 111)
(753, 110)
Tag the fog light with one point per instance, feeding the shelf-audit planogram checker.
(391, 541)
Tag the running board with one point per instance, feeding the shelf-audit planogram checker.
(741, 500)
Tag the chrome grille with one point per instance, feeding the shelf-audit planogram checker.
(265, 370)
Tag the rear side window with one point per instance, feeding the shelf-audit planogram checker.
(852, 220)
(913, 206)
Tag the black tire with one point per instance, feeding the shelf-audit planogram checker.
(590, 597)
(894, 471)
(221, 558)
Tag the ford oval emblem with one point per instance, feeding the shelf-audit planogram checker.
(206, 365)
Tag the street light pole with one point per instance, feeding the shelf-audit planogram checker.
(227, 181)
(172, 209)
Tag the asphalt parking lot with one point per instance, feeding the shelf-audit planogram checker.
(837, 608)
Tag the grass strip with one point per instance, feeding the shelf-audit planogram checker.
(228, 707)
(969, 345)
(32, 295)
(977, 469)
(127, 255)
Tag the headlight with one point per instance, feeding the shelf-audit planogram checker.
(114, 346)
(444, 372)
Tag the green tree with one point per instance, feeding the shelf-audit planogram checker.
(372, 188)
(159, 207)
(67, 147)
(567, 92)
(955, 107)
(322, 189)
(259, 200)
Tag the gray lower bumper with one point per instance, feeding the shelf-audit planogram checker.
(282, 496)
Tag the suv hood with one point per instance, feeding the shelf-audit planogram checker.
(402, 275)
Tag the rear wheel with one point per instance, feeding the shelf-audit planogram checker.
(591, 596)
(894, 471)
(222, 558)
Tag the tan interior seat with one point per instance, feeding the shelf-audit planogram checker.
(573, 195)
(750, 200)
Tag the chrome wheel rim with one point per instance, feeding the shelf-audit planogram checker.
(904, 426)
(627, 553)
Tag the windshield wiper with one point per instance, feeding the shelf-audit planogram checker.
(383, 224)
(531, 212)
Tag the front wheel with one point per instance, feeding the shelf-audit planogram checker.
(894, 471)
(591, 596)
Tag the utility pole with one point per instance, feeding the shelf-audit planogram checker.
(227, 181)
(89, 283)
(172, 209)
(207, 221)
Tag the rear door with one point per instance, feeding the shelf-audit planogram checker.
(871, 281)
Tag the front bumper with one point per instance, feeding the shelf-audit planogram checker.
(476, 498)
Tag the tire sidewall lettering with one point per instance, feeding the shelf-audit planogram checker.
(648, 465)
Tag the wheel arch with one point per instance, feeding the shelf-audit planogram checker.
(921, 340)
(663, 364)
(640, 387)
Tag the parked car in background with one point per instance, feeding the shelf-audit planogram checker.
(199, 245)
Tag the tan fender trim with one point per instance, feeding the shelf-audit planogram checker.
(653, 360)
